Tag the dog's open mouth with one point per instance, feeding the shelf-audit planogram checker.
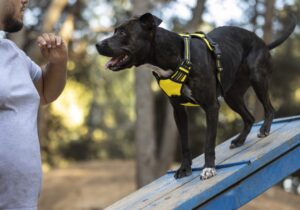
(119, 62)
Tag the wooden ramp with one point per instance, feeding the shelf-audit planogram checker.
(272, 159)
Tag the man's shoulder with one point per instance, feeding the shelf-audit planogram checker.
(9, 42)
(13, 46)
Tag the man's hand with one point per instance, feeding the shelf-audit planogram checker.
(54, 74)
(53, 48)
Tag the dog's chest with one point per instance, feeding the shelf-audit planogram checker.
(187, 92)
(186, 87)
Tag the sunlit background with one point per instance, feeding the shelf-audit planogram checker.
(89, 132)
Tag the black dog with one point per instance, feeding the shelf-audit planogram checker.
(246, 62)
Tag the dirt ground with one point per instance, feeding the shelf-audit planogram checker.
(95, 185)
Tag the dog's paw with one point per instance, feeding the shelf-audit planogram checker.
(183, 171)
(263, 134)
(235, 144)
(208, 173)
(264, 131)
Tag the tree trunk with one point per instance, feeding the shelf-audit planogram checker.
(196, 20)
(170, 134)
(268, 20)
(267, 37)
(169, 143)
(250, 96)
(53, 14)
(144, 131)
(254, 16)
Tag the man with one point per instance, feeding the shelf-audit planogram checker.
(23, 87)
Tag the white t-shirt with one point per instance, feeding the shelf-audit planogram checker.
(20, 161)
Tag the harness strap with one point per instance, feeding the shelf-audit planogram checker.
(215, 49)
(184, 68)
(187, 54)
(217, 53)
(173, 86)
(202, 36)
(212, 46)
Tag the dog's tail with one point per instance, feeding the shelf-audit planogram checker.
(286, 35)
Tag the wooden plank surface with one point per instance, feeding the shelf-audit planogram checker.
(168, 193)
(246, 190)
(196, 191)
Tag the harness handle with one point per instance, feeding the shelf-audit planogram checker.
(187, 53)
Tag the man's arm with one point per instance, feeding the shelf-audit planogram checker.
(53, 79)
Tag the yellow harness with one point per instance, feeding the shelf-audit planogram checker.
(173, 86)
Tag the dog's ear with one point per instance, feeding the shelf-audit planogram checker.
(149, 21)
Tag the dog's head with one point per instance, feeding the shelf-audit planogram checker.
(131, 43)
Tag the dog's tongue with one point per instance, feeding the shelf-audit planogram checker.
(112, 62)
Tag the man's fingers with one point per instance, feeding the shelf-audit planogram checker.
(53, 48)
(49, 41)
(58, 41)
(52, 40)
(41, 41)
(47, 38)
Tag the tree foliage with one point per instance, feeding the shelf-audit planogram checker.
(95, 116)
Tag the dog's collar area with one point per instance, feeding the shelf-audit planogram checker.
(174, 85)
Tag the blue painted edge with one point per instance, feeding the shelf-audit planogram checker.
(243, 172)
(257, 183)
(205, 198)
(280, 120)
(226, 165)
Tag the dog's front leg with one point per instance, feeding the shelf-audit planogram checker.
(180, 116)
(212, 113)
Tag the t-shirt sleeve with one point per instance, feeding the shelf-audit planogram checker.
(34, 70)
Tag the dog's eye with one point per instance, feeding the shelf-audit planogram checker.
(122, 33)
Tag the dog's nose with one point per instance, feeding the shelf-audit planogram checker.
(101, 46)
(98, 46)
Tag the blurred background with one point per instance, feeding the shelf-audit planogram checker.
(109, 133)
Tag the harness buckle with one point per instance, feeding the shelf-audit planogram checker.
(186, 64)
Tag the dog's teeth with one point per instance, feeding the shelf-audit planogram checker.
(124, 58)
